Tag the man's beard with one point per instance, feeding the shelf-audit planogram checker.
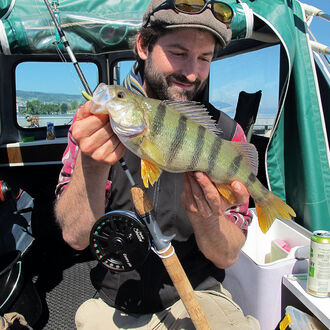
(160, 87)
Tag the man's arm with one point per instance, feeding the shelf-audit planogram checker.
(82, 198)
(217, 236)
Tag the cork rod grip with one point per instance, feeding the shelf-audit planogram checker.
(141, 200)
(185, 290)
(174, 268)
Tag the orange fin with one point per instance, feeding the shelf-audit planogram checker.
(149, 172)
(270, 209)
(227, 192)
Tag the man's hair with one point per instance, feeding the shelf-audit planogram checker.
(150, 35)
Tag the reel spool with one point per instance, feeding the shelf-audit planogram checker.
(120, 241)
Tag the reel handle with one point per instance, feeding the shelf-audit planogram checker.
(141, 200)
(174, 267)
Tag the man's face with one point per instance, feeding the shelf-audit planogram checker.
(179, 64)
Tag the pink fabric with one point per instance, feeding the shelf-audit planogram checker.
(240, 215)
(69, 162)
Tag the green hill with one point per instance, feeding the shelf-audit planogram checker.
(48, 97)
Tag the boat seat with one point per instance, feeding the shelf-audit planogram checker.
(247, 110)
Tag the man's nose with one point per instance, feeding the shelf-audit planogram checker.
(190, 70)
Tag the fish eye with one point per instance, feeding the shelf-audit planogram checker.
(121, 95)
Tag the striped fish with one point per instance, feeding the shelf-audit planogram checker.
(180, 137)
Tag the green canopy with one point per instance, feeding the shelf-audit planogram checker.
(91, 27)
(298, 152)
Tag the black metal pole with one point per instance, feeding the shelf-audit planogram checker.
(81, 75)
(68, 48)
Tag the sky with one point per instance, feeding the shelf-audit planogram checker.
(257, 70)
(245, 76)
(320, 27)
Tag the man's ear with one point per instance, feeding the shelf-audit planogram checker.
(142, 50)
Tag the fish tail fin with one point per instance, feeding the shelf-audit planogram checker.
(270, 208)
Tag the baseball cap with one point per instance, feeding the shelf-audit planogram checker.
(172, 19)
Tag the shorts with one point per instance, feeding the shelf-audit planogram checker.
(219, 308)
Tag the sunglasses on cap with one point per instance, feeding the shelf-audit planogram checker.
(221, 11)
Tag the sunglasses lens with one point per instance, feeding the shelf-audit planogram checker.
(189, 6)
(222, 12)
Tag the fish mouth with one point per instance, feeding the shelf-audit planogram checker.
(126, 131)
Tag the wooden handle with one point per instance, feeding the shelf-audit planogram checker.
(174, 268)
(184, 288)
(141, 200)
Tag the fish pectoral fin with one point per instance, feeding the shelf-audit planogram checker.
(227, 192)
(150, 172)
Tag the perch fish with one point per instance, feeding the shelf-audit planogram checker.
(180, 137)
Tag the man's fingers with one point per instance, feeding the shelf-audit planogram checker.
(241, 193)
(89, 125)
(187, 197)
(83, 111)
(91, 138)
(211, 193)
(110, 152)
(199, 196)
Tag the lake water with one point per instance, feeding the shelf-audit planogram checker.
(57, 120)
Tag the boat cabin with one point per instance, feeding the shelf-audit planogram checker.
(273, 79)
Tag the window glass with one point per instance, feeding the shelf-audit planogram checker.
(122, 68)
(50, 92)
(250, 72)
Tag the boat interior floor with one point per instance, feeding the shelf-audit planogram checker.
(61, 278)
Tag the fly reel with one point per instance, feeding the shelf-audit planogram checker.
(120, 241)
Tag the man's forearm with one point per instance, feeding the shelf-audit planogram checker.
(82, 202)
(219, 239)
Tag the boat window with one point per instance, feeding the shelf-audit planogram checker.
(121, 70)
(50, 92)
(249, 72)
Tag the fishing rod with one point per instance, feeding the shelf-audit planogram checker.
(123, 255)
(75, 63)
(68, 49)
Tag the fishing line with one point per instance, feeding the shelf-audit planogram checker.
(81, 75)
(50, 26)
(59, 52)
(68, 49)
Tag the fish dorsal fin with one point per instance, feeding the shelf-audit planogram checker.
(195, 111)
(250, 153)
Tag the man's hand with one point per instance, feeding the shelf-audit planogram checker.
(95, 136)
(83, 201)
(202, 199)
(217, 237)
